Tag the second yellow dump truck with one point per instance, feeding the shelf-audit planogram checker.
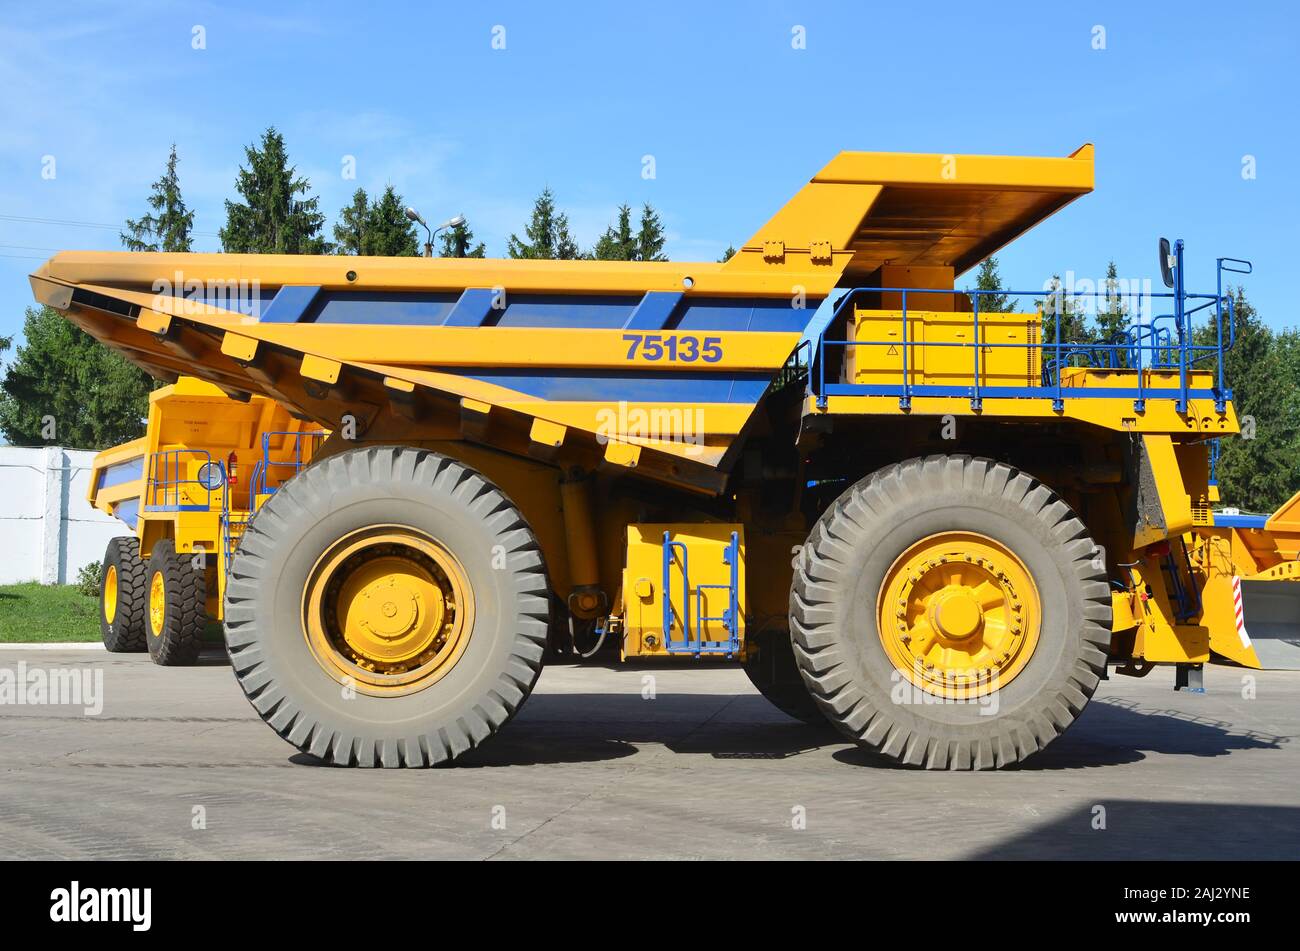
(903, 508)
(186, 489)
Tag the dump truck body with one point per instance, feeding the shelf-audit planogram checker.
(820, 459)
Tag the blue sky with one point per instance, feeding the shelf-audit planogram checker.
(735, 117)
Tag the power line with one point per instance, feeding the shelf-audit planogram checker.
(85, 224)
(29, 247)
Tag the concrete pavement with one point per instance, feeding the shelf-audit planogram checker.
(178, 766)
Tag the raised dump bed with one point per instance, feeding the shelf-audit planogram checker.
(929, 525)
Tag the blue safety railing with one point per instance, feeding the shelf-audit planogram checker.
(1163, 342)
(165, 490)
(730, 618)
(233, 524)
(305, 444)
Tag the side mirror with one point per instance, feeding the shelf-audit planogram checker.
(1166, 270)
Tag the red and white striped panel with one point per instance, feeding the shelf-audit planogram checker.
(1239, 612)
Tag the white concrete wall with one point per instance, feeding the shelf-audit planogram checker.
(47, 528)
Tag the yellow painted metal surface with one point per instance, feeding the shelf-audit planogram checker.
(958, 615)
(1157, 636)
(110, 594)
(1113, 414)
(916, 209)
(157, 603)
(643, 589)
(939, 350)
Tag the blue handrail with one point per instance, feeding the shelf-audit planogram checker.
(296, 462)
(164, 491)
(730, 618)
(1163, 341)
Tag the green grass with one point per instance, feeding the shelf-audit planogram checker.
(38, 612)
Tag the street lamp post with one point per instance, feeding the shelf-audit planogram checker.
(414, 215)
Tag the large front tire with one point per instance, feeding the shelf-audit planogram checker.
(387, 607)
(992, 601)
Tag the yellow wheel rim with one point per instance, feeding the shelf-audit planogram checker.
(110, 594)
(157, 604)
(387, 610)
(959, 615)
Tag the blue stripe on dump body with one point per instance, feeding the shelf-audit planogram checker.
(1239, 521)
(289, 305)
(120, 472)
(611, 386)
(654, 310)
(588, 311)
(381, 307)
(128, 510)
(240, 298)
(472, 309)
(745, 313)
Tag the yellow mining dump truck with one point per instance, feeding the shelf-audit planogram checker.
(904, 509)
(186, 489)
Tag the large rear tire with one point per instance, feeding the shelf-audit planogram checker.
(950, 612)
(388, 606)
(176, 610)
(123, 594)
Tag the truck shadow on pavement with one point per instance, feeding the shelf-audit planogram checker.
(1158, 829)
(1113, 731)
(589, 728)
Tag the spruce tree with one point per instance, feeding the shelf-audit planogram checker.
(1073, 319)
(650, 240)
(275, 216)
(546, 236)
(93, 395)
(388, 231)
(618, 242)
(1112, 315)
(168, 225)
(988, 279)
(458, 242)
(350, 231)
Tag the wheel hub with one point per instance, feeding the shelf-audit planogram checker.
(110, 594)
(157, 604)
(387, 609)
(958, 614)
